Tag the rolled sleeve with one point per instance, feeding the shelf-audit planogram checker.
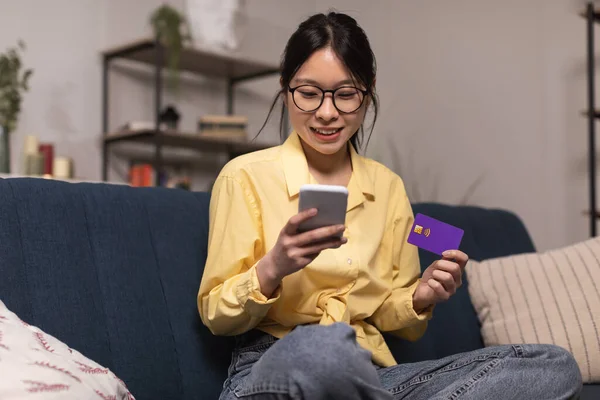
(250, 296)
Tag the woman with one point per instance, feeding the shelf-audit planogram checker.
(308, 309)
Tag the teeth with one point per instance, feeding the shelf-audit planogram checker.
(326, 131)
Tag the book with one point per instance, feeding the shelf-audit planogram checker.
(144, 175)
(223, 126)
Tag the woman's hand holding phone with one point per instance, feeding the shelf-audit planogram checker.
(294, 251)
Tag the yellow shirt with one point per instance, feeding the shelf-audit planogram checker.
(367, 283)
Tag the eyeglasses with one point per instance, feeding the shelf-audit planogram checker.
(346, 99)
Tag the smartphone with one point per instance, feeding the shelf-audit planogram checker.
(331, 202)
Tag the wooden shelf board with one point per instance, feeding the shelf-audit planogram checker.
(585, 113)
(206, 62)
(186, 141)
(171, 157)
(587, 213)
(583, 14)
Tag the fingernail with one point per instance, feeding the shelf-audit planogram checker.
(448, 253)
(313, 211)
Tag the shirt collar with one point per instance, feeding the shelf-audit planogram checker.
(297, 174)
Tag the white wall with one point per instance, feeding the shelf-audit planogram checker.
(485, 89)
(468, 88)
(63, 105)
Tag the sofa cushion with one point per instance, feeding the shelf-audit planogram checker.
(114, 272)
(550, 297)
(454, 327)
(33, 362)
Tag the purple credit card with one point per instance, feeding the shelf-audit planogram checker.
(433, 235)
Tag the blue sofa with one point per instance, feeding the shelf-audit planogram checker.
(113, 271)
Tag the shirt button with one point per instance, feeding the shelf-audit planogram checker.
(349, 261)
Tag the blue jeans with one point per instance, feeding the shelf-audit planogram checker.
(317, 362)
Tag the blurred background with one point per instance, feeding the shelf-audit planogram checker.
(481, 100)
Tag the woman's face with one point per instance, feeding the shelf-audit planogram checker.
(326, 129)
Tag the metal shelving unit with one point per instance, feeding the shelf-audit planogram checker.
(150, 52)
(592, 17)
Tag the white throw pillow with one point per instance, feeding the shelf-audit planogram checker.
(33, 362)
(550, 297)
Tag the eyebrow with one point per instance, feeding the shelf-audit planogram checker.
(313, 82)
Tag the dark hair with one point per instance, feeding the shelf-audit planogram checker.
(349, 42)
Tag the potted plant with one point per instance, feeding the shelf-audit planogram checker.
(14, 80)
(172, 31)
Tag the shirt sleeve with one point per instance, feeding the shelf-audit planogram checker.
(230, 301)
(397, 315)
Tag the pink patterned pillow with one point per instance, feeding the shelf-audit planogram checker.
(33, 362)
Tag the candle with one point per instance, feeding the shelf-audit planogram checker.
(62, 168)
(30, 147)
(35, 164)
(47, 150)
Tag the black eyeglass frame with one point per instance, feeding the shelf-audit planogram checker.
(324, 92)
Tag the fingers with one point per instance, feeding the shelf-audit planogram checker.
(291, 228)
(313, 251)
(317, 235)
(439, 290)
(452, 268)
(444, 276)
(458, 256)
(446, 279)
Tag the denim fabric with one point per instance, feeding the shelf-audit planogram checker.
(317, 362)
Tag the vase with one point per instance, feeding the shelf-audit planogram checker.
(4, 151)
(217, 24)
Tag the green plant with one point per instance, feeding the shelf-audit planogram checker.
(14, 81)
(172, 31)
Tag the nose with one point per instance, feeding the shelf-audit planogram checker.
(327, 111)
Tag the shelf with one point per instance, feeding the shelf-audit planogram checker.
(210, 63)
(587, 213)
(196, 60)
(596, 15)
(585, 113)
(186, 141)
(592, 16)
(171, 157)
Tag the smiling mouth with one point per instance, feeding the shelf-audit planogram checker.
(326, 132)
